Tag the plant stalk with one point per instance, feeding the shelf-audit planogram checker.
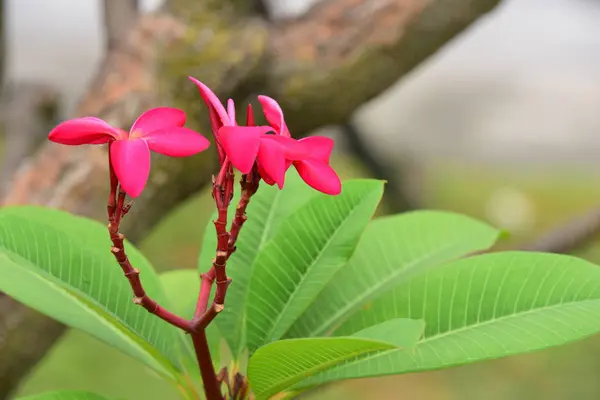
(116, 210)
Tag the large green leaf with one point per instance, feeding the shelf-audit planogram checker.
(61, 265)
(279, 365)
(65, 395)
(309, 248)
(268, 208)
(484, 307)
(391, 250)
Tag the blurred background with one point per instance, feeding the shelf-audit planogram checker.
(503, 124)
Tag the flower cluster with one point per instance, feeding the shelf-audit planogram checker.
(259, 152)
(270, 148)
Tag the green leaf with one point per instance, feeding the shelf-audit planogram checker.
(268, 208)
(309, 248)
(391, 250)
(279, 365)
(484, 307)
(399, 332)
(65, 395)
(181, 287)
(61, 265)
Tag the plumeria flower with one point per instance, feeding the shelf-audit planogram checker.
(314, 166)
(245, 145)
(160, 130)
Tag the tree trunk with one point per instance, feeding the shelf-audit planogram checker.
(320, 67)
(119, 18)
(30, 109)
(3, 13)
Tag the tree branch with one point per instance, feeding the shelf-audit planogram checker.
(3, 35)
(29, 110)
(570, 236)
(358, 48)
(397, 195)
(119, 17)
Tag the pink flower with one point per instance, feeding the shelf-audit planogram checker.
(159, 129)
(217, 113)
(245, 145)
(313, 166)
(273, 153)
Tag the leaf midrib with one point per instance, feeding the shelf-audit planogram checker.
(263, 237)
(52, 278)
(240, 320)
(382, 347)
(430, 339)
(309, 269)
(382, 284)
(82, 300)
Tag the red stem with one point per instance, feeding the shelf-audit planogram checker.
(249, 184)
(133, 276)
(205, 287)
(110, 208)
(222, 194)
(116, 210)
(207, 370)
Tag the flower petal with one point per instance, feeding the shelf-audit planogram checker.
(250, 116)
(274, 115)
(241, 145)
(293, 149)
(272, 160)
(319, 175)
(212, 102)
(319, 147)
(158, 118)
(176, 142)
(231, 111)
(86, 130)
(216, 124)
(131, 161)
(265, 176)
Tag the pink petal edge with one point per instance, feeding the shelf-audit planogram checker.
(274, 115)
(292, 148)
(271, 158)
(158, 118)
(86, 130)
(319, 147)
(131, 161)
(176, 142)
(231, 111)
(265, 176)
(320, 176)
(212, 101)
(241, 145)
(250, 116)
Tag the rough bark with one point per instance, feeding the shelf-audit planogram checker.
(28, 111)
(119, 17)
(2, 42)
(320, 67)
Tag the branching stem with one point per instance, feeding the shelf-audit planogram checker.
(226, 241)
